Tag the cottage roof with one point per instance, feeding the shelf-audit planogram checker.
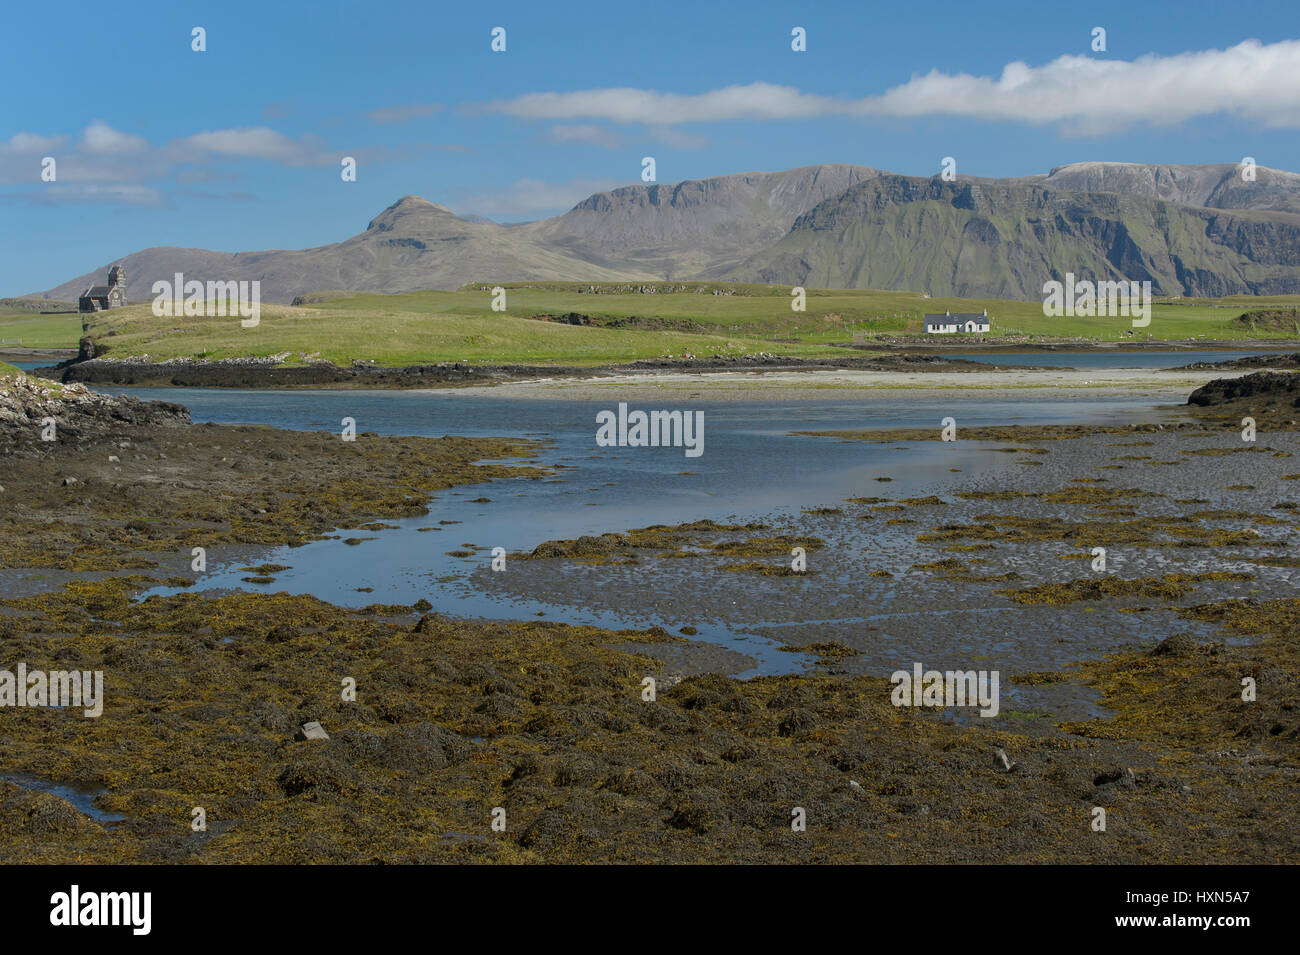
(949, 317)
(97, 291)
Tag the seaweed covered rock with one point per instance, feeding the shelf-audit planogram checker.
(710, 691)
(1261, 383)
(585, 547)
(1271, 397)
(554, 830)
(317, 770)
(46, 815)
(428, 623)
(1178, 645)
(417, 748)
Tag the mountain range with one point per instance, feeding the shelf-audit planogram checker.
(1191, 230)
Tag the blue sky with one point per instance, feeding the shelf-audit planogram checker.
(238, 147)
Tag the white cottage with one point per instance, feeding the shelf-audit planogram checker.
(950, 324)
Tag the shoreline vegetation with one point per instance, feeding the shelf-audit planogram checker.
(453, 718)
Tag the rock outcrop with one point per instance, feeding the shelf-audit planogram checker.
(29, 406)
(1270, 398)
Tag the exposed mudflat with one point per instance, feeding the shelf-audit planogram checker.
(549, 722)
(939, 577)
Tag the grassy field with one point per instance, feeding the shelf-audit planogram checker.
(40, 331)
(386, 335)
(832, 315)
(625, 325)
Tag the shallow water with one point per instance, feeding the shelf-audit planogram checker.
(1102, 360)
(83, 800)
(865, 591)
(752, 468)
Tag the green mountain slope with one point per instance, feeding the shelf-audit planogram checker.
(993, 239)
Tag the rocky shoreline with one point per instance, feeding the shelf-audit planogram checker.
(1281, 360)
(266, 373)
(270, 373)
(1270, 398)
(31, 408)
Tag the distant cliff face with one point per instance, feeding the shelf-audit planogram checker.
(682, 230)
(1218, 186)
(993, 239)
(1191, 230)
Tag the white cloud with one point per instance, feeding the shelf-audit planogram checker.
(402, 114)
(31, 144)
(250, 142)
(21, 160)
(530, 198)
(102, 140)
(627, 105)
(104, 156)
(1252, 80)
(593, 135)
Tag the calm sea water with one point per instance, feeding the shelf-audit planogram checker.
(752, 467)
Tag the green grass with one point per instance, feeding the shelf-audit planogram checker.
(461, 326)
(41, 331)
(831, 315)
(6, 370)
(377, 331)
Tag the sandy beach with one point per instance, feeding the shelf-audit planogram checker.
(815, 385)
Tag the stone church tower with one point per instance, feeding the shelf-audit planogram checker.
(99, 297)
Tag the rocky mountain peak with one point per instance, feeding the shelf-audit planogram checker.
(410, 212)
